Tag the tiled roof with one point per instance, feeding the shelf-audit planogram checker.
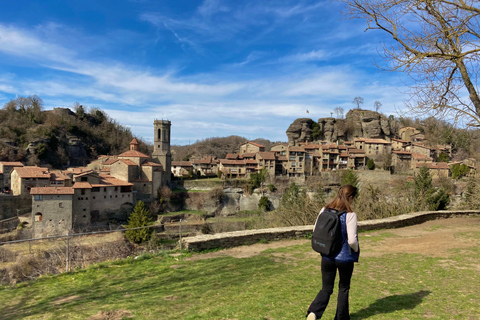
(248, 155)
(11, 163)
(249, 161)
(79, 170)
(432, 165)
(255, 144)
(282, 158)
(232, 156)
(232, 162)
(402, 152)
(133, 154)
(418, 156)
(32, 172)
(267, 155)
(377, 141)
(134, 141)
(181, 163)
(399, 140)
(110, 161)
(108, 180)
(359, 151)
(86, 173)
(128, 162)
(421, 146)
(82, 185)
(344, 154)
(296, 149)
(52, 190)
(151, 164)
(58, 175)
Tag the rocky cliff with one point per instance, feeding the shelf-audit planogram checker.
(357, 124)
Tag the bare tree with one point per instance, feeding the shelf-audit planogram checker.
(358, 101)
(377, 105)
(339, 112)
(437, 43)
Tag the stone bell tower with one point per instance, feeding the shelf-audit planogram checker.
(161, 147)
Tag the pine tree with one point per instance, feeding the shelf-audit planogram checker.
(139, 218)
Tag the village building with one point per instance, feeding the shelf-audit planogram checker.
(406, 133)
(423, 150)
(373, 147)
(94, 198)
(23, 179)
(251, 147)
(233, 168)
(207, 166)
(399, 144)
(401, 160)
(182, 168)
(267, 161)
(6, 168)
(436, 169)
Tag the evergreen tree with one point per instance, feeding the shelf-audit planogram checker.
(139, 218)
(350, 177)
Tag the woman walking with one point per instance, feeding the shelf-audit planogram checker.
(343, 261)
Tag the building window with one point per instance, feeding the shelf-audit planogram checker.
(60, 205)
(38, 216)
(84, 179)
(38, 197)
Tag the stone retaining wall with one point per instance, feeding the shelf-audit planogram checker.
(246, 237)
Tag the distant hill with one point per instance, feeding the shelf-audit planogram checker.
(59, 137)
(217, 147)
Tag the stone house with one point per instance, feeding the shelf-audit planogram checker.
(399, 144)
(6, 168)
(94, 198)
(436, 169)
(280, 149)
(422, 149)
(182, 168)
(373, 147)
(23, 179)
(267, 161)
(233, 168)
(206, 166)
(295, 166)
(401, 160)
(406, 133)
(251, 147)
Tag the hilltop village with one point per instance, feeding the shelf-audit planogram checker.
(81, 198)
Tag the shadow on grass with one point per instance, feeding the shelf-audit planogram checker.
(390, 304)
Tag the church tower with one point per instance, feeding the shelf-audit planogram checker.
(161, 147)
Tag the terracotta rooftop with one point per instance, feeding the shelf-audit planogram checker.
(267, 155)
(232, 162)
(182, 163)
(82, 185)
(255, 144)
(402, 152)
(432, 165)
(248, 155)
(128, 162)
(11, 163)
(151, 164)
(110, 161)
(52, 190)
(232, 156)
(133, 154)
(32, 172)
(134, 141)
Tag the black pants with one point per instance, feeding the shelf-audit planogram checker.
(329, 271)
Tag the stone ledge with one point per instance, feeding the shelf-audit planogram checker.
(238, 238)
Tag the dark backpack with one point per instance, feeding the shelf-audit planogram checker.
(327, 233)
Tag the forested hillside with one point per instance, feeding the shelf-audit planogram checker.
(58, 137)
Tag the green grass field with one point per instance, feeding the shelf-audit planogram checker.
(275, 284)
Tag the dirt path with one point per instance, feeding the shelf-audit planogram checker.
(433, 238)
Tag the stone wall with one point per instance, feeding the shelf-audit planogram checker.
(238, 238)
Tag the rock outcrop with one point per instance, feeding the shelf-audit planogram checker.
(357, 124)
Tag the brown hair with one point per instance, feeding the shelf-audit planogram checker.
(342, 199)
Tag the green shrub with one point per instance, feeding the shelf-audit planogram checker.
(370, 164)
(139, 218)
(459, 170)
(272, 188)
(350, 177)
(264, 204)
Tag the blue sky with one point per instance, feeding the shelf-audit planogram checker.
(214, 68)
